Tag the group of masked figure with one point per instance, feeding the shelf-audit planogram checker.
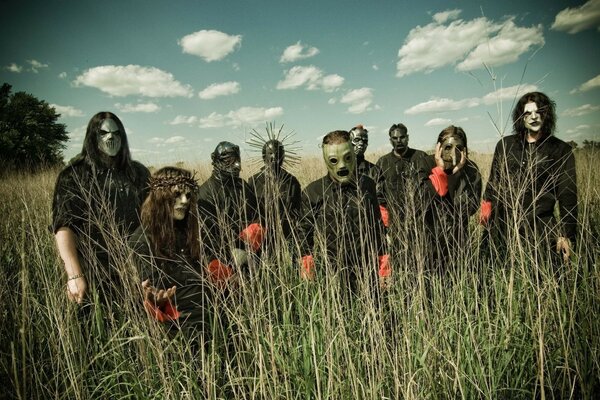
(188, 240)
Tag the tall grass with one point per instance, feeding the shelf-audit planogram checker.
(506, 327)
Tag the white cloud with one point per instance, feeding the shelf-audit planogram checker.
(140, 107)
(581, 110)
(577, 19)
(174, 139)
(508, 93)
(471, 43)
(210, 45)
(219, 89)
(332, 101)
(438, 122)
(12, 67)
(359, 100)
(241, 116)
(504, 48)
(36, 66)
(119, 80)
(442, 104)
(375, 67)
(62, 75)
(311, 77)
(182, 119)
(67, 111)
(445, 16)
(589, 85)
(297, 52)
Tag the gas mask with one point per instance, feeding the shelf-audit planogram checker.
(340, 160)
(109, 137)
(226, 160)
(273, 154)
(451, 146)
(399, 140)
(360, 140)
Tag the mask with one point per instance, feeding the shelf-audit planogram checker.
(399, 141)
(340, 160)
(532, 118)
(360, 140)
(182, 202)
(109, 137)
(226, 159)
(273, 155)
(451, 151)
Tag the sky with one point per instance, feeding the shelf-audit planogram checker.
(184, 75)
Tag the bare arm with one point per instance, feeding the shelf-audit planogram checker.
(66, 242)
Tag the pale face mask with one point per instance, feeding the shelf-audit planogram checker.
(109, 137)
(360, 141)
(182, 202)
(452, 147)
(532, 118)
(340, 160)
(399, 140)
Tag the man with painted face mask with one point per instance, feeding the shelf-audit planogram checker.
(96, 204)
(532, 172)
(229, 210)
(450, 189)
(343, 208)
(278, 192)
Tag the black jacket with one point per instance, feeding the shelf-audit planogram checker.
(400, 177)
(364, 167)
(531, 179)
(347, 217)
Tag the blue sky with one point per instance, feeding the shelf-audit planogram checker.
(183, 75)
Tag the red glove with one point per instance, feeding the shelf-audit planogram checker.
(253, 235)
(307, 270)
(439, 180)
(385, 216)
(486, 212)
(218, 272)
(166, 313)
(385, 269)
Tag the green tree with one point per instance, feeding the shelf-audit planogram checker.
(30, 137)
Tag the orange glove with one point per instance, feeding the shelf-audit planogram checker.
(253, 235)
(439, 180)
(385, 216)
(165, 314)
(219, 273)
(385, 269)
(486, 212)
(307, 270)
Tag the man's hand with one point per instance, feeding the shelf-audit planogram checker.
(155, 296)
(563, 246)
(461, 163)
(76, 289)
(439, 161)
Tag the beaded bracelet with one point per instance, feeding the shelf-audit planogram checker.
(76, 276)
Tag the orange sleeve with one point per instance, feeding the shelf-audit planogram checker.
(486, 212)
(439, 180)
(385, 216)
(166, 313)
(385, 269)
(253, 235)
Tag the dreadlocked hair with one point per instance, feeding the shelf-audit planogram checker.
(157, 212)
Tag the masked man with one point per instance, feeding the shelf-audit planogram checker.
(228, 210)
(451, 189)
(278, 193)
(532, 172)
(96, 204)
(342, 209)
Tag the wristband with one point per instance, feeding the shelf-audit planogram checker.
(76, 277)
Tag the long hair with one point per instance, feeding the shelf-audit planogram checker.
(157, 213)
(455, 131)
(92, 153)
(546, 107)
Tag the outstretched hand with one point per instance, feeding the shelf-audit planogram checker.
(158, 297)
(563, 247)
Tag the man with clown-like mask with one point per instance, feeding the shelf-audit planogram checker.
(450, 189)
(96, 205)
(532, 173)
(342, 208)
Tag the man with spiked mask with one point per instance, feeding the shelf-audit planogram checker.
(343, 207)
(450, 189)
(96, 204)
(278, 192)
(228, 210)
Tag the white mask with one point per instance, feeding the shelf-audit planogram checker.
(109, 137)
(532, 118)
(182, 202)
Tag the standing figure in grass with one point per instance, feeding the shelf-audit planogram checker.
(532, 173)
(229, 212)
(278, 192)
(450, 189)
(168, 252)
(341, 212)
(96, 205)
